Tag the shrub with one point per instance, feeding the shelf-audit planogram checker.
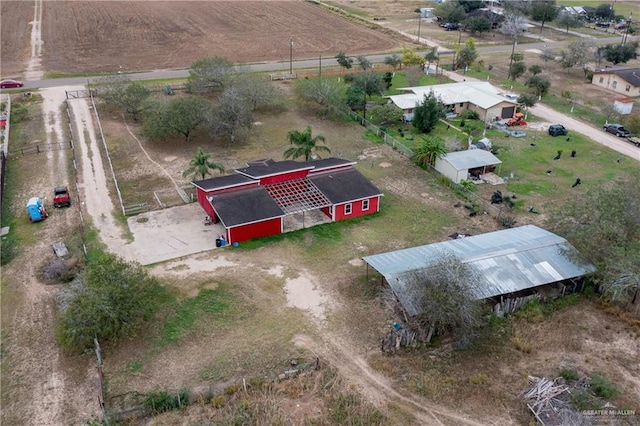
(521, 344)
(159, 402)
(507, 221)
(218, 401)
(532, 311)
(569, 374)
(470, 115)
(603, 388)
(479, 379)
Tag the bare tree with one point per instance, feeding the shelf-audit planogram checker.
(444, 294)
(258, 91)
(512, 26)
(212, 74)
(232, 116)
(414, 73)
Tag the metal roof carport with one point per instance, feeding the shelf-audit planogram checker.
(508, 261)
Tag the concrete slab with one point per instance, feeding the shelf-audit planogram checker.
(171, 233)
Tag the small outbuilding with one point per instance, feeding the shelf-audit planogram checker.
(469, 164)
(623, 105)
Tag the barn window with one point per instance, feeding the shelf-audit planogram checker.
(601, 79)
(615, 84)
(347, 208)
(461, 104)
(365, 205)
(627, 89)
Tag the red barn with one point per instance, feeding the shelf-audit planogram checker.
(254, 202)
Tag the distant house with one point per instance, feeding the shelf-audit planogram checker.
(256, 201)
(619, 79)
(479, 96)
(494, 18)
(513, 264)
(575, 10)
(463, 165)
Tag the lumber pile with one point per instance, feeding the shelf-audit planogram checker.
(548, 400)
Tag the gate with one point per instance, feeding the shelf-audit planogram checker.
(84, 93)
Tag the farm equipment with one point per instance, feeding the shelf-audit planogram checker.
(61, 197)
(36, 210)
(517, 120)
(634, 140)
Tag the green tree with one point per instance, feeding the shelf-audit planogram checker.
(470, 5)
(387, 114)
(355, 97)
(393, 61)
(305, 144)
(539, 84)
(544, 11)
(605, 11)
(201, 165)
(410, 57)
(468, 54)
(477, 24)
(535, 69)
(568, 20)
(388, 79)
(111, 300)
(179, 116)
(527, 100)
(212, 75)
(603, 225)
(450, 11)
(344, 61)
(444, 293)
(125, 94)
(517, 70)
(427, 114)
(428, 149)
(620, 53)
(371, 83)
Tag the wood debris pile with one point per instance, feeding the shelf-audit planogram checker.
(548, 400)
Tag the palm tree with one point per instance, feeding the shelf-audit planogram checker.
(200, 165)
(428, 150)
(305, 144)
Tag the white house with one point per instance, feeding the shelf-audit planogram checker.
(623, 105)
(462, 165)
(479, 96)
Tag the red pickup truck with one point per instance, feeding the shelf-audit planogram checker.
(61, 197)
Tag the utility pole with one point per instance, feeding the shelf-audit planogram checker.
(626, 30)
(291, 56)
(419, 21)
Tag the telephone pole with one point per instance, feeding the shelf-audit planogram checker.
(291, 56)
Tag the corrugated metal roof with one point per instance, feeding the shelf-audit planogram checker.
(507, 261)
(470, 159)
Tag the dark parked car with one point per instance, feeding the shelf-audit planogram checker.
(450, 27)
(557, 130)
(617, 130)
(7, 84)
(603, 24)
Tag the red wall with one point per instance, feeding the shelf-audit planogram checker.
(204, 203)
(284, 177)
(254, 230)
(356, 209)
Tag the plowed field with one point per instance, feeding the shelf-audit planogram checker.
(146, 35)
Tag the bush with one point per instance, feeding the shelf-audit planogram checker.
(470, 115)
(569, 374)
(603, 388)
(111, 300)
(479, 379)
(159, 402)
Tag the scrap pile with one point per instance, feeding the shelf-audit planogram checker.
(548, 400)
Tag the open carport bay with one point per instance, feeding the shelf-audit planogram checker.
(171, 233)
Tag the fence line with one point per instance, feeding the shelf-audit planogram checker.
(408, 152)
(106, 150)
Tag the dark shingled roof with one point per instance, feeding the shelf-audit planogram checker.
(245, 206)
(221, 182)
(344, 185)
(257, 170)
(628, 74)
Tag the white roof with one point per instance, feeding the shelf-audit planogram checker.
(470, 159)
(480, 93)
